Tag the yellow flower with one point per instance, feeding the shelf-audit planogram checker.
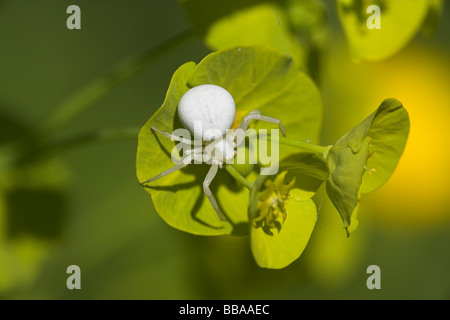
(271, 203)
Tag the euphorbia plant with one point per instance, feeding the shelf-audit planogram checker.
(277, 211)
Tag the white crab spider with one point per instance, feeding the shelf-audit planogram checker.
(214, 107)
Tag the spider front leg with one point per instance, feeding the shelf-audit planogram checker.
(173, 137)
(186, 160)
(208, 179)
(256, 115)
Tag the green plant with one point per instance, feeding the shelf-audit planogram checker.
(279, 220)
(358, 163)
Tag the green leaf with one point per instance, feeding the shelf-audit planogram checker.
(310, 164)
(400, 21)
(294, 27)
(364, 158)
(242, 23)
(203, 13)
(347, 161)
(278, 247)
(263, 24)
(388, 129)
(258, 77)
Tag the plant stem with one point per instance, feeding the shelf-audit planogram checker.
(82, 139)
(303, 145)
(85, 97)
(238, 177)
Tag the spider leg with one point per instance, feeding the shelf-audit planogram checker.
(196, 154)
(179, 166)
(195, 151)
(256, 115)
(173, 137)
(209, 177)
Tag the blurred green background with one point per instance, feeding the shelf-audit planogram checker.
(85, 207)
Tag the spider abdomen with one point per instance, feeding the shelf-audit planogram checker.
(210, 106)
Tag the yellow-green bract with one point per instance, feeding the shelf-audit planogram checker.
(400, 20)
(258, 78)
(364, 158)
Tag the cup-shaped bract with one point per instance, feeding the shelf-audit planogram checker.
(283, 217)
(258, 78)
(364, 158)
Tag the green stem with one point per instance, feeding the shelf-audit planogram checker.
(82, 139)
(303, 145)
(238, 177)
(95, 137)
(82, 99)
